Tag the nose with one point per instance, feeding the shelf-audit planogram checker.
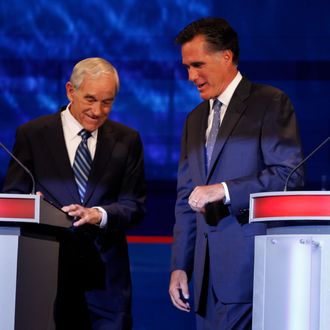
(192, 74)
(97, 108)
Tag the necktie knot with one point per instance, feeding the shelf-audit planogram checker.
(85, 135)
(217, 105)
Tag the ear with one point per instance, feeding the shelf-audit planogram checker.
(69, 91)
(228, 55)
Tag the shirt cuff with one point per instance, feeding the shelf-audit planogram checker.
(104, 219)
(226, 199)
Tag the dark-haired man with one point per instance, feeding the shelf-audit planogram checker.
(242, 139)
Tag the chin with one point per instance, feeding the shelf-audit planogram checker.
(204, 97)
(90, 127)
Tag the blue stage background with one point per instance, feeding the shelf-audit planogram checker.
(283, 43)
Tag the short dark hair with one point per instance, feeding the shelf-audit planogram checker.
(218, 34)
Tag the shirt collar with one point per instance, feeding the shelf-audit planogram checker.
(227, 94)
(74, 127)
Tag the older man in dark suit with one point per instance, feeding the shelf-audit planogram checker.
(92, 168)
(242, 139)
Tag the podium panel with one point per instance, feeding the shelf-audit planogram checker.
(292, 262)
(29, 255)
(8, 273)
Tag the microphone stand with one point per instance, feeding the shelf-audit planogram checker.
(23, 166)
(304, 161)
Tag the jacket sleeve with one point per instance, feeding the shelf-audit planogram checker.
(280, 150)
(185, 225)
(129, 207)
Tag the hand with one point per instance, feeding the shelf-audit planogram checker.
(203, 195)
(85, 215)
(179, 281)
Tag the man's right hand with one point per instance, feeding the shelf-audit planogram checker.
(179, 282)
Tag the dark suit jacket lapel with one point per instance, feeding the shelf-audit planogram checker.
(198, 140)
(234, 112)
(105, 142)
(54, 138)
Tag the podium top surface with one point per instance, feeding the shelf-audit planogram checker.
(290, 206)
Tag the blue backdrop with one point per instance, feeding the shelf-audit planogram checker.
(283, 43)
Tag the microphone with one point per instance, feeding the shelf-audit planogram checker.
(21, 165)
(304, 161)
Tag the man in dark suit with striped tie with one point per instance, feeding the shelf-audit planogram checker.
(92, 168)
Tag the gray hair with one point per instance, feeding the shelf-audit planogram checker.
(93, 66)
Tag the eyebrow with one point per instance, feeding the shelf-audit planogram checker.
(90, 96)
(194, 64)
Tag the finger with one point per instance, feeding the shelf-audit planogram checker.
(74, 210)
(193, 208)
(181, 306)
(79, 222)
(193, 203)
(70, 207)
(76, 213)
(198, 209)
(180, 294)
(193, 196)
(177, 302)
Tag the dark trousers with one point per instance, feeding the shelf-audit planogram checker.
(75, 314)
(214, 315)
(75, 308)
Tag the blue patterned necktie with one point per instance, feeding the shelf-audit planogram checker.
(82, 164)
(213, 132)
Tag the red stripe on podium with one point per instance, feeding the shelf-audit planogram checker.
(292, 206)
(150, 239)
(15, 208)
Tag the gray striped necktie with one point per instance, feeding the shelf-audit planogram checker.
(213, 132)
(82, 164)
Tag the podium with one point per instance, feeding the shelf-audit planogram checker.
(292, 261)
(28, 261)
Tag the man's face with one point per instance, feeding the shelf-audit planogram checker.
(91, 103)
(210, 71)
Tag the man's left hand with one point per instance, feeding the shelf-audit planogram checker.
(203, 195)
(84, 215)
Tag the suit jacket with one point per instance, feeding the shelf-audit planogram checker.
(257, 146)
(95, 258)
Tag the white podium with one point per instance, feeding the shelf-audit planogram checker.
(292, 262)
(28, 261)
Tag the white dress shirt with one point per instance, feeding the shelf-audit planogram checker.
(71, 128)
(224, 98)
